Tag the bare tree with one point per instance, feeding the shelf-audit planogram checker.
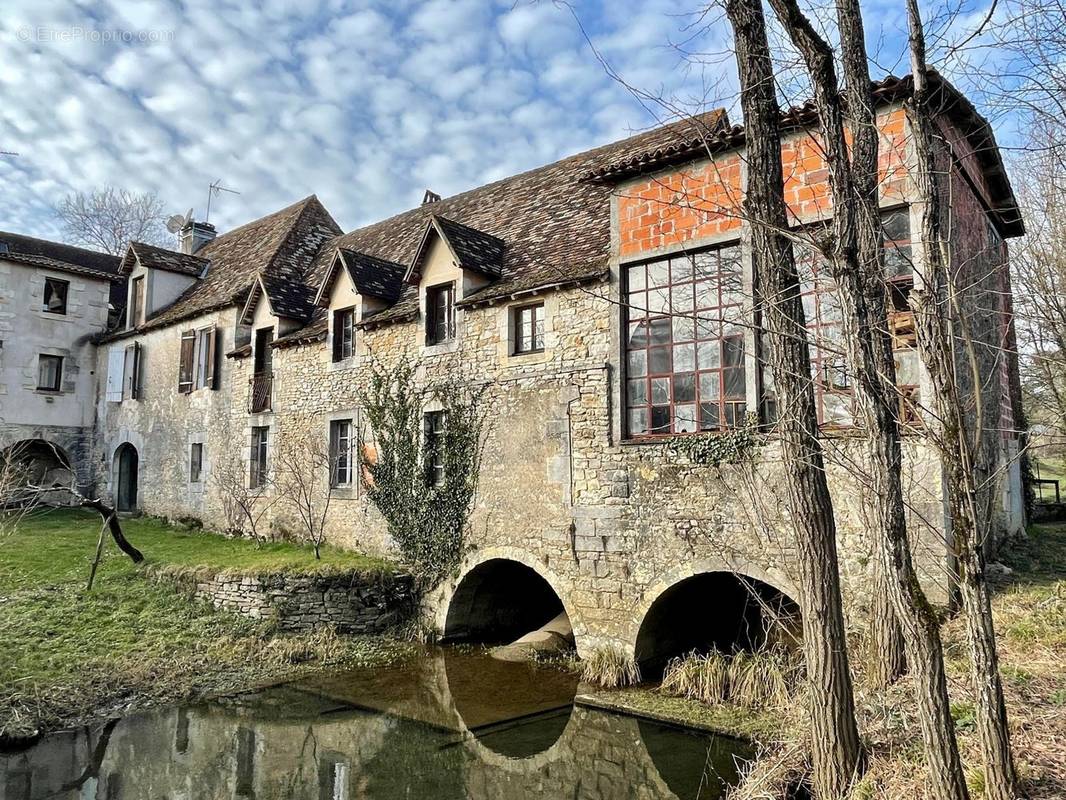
(305, 466)
(245, 502)
(837, 756)
(942, 328)
(108, 219)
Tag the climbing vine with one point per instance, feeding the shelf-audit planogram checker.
(735, 446)
(426, 508)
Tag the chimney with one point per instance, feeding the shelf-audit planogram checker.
(195, 235)
(430, 197)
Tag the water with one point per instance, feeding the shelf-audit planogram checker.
(447, 725)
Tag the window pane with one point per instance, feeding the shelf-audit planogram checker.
(637, 392)
(684, 328)
(660, 419)
(659, 301)
(638, 421)
(733, 351)
(638, 305)
(635, 278)
(709, 385)
(658, 274)
(660, 331)
(659, 360)
(685, 388)
(706, 294)
(638, 334)
(660, 390)
(681, 269)
(733, 379)
(684, 419)
(708, 416)
(684, 357)
(638, 362)
(837, 408)
(681, 298)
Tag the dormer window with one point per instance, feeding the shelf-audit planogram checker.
(440, 313)
(343, 334)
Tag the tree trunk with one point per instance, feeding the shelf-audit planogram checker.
(969, 517)
(836, 756)
(887, 661)
(857, 267)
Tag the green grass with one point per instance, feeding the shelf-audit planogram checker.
(70, 654)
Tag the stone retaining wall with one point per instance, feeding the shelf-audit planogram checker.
(351, 602)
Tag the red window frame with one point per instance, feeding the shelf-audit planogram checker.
(685, 362)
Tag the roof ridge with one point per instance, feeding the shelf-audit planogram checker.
(258, 220)
(308, 203)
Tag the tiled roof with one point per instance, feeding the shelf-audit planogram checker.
(152, 257)
(61, 257)
(373, 276)
(473, 249)
(286, 245)
(556, 227)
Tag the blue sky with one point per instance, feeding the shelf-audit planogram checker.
(365, 104)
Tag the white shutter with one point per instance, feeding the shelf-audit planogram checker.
(116, 363)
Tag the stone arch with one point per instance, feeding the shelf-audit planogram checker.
(444, 602)
(747, 592)
(40, 462)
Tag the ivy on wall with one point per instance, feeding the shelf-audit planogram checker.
(735, 446)
(427, 519)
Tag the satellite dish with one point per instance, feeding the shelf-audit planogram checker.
(177, 222)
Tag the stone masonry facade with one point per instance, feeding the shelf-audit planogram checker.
(611, 521)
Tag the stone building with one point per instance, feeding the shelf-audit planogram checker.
(605, 302)
(53, 300)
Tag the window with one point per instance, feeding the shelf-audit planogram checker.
(196, 462)
(55, 296)
(49, 373)
(244, 785)
(185, 361)
(340, 453)
(440, 313)
(206, 358)
(333, 778)
(685, 360)
(896, 235)
(529, 328)
(136, 313)
(433, 446)
(343, 334)
(258, 462)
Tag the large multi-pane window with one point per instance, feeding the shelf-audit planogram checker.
(685, 365)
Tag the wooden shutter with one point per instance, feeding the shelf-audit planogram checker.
(214, 345)
(116, 361)
(187, 361)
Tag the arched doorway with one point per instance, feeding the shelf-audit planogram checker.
(722, 611)
(126, 463)
(498, 601)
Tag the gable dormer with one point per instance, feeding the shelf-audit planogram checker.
(356, 286)
(452, 262)
(156, 278)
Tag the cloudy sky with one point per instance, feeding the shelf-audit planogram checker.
(365, 104)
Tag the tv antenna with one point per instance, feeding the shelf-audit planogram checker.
(214, 189)
(8, 153)
(177, 222)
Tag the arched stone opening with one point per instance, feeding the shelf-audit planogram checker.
(499, 601)
(127, 464)
(35, 463)
(722, 611)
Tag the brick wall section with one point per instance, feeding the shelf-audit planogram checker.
(704, 200)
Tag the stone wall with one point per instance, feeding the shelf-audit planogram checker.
(350, 602)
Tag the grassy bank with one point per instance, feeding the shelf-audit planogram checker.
(71, 654)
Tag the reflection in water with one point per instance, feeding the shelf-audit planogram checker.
(450, 725)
